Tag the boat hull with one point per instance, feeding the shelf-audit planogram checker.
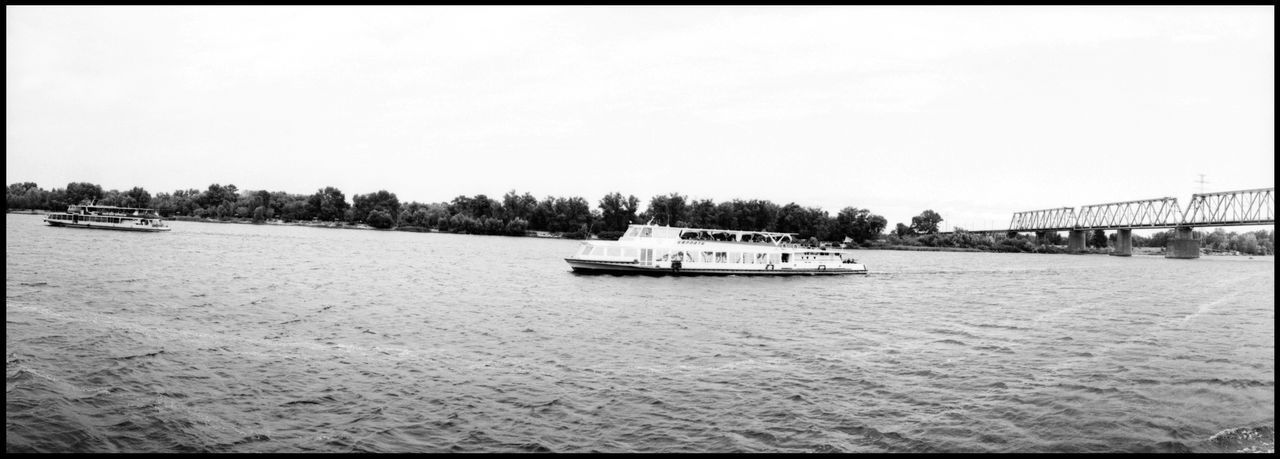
(144, 229)
(632, 268)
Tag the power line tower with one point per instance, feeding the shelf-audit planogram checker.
(1202, 182)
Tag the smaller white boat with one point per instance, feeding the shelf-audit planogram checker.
(663, 250)
(109, 217)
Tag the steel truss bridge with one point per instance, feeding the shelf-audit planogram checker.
(1226, 208)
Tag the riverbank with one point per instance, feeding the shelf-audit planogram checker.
(343, 225)
(1026, 248)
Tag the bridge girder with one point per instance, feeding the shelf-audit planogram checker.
(1144, 213)
(1226, 208)
(1043, 220)
(1232, 208)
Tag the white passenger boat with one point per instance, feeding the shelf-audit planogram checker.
(663, 250)
(109, 217)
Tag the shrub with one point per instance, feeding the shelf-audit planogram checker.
(379, 219)
(610, 235)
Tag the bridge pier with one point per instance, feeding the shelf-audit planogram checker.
(1075, 241)
(1124, 243)
(1183, 245)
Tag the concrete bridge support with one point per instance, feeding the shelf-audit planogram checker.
(1075, 241)
(1183, 245)
(1042, 237)
(1124, 243)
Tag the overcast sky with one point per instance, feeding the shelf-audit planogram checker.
(973, 112)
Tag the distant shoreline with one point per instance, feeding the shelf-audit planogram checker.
(1152, 251)
(344, 225)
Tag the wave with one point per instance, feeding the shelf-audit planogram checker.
(1257, 439)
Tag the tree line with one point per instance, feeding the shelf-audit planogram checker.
(1260, 242)
(513, 214)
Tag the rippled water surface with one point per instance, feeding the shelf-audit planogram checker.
(242, 338)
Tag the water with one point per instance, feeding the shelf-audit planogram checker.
(242, 338)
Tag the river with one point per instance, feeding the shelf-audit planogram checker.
(263, 338)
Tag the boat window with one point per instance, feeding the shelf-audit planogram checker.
(631, 232)
(646, 232)
(786, 258)
(735, 257)
(722, 257)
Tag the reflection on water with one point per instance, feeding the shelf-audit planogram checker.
(241, 338)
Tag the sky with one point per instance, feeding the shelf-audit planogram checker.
(973, 112)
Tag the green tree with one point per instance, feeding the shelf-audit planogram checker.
(668, 209)
(516, 227)
(1098, 239)
(1249, 244)
(219, 201)
(25, 195)
(518, 206)
(380, 219)
(926, 223)
(727, 215)
(543, 213)
(616, 212)
(83, 193)
(791, 218)
(903, 231)
(756, 215)
(363, 205)
(859, 224)
(137, 197)
(570, 214)
(703, 214)
(328, 204)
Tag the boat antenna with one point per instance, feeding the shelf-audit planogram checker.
(650, 221)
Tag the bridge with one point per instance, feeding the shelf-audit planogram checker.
(1226, 208)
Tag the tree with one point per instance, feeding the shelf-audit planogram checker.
(518, 206)
(926, 223)
(570, 214)
(25, 195)
(218, 201)
(328, 204)
(703, 214)
(379, 218)
(137, 197)
(903, 231)
(83, 193)
(516, 227)
(756, 215)
(617, 212)
(363, 205)
(859, 224)
(543, 213)
(791, 218)
(669, 209)
(1098, 239)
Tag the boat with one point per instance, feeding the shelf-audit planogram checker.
(663, 250)
(109, 217)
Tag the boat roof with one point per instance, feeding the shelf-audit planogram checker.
(115, 208)
(679, 231)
